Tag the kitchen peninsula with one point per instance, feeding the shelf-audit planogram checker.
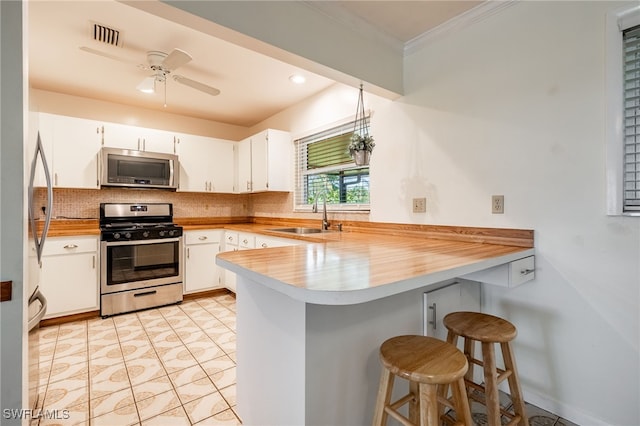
(311, 317)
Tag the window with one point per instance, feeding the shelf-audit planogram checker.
(631, 148)
(623, 111)
(324, 168)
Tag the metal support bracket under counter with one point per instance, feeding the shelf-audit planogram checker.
(510, 274)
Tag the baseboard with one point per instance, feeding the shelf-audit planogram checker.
(208, 293)
(563, 410)
(69, 318)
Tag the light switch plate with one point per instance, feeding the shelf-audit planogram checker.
(420, 205)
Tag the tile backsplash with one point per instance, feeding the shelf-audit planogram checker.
(85, 203)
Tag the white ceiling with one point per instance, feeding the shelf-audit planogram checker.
(253, 86)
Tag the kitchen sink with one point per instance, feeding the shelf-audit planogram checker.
(298, 230)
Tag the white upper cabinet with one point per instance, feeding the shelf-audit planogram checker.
(75, 153)
(243, 166)
(71, 147)
(123, 136)
(206, 164)
(264, 162)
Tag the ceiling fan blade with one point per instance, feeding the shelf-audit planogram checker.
(175, 59)
(105, 55)
(196, 85)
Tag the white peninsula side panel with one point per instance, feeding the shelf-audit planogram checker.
(310, 364)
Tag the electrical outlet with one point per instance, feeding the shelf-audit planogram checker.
(420, 205)
(497, 204)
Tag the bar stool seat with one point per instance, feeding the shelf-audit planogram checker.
(489, 330)
(426, 363)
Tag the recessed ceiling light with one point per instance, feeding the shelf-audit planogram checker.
(297, 79)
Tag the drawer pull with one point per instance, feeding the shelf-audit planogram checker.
(70, 246)
(433, 318)
(264, 245)
(526, 271)
(146, 293)
(202, 238)
(245, 241)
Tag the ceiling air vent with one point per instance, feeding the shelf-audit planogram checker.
(104, 34)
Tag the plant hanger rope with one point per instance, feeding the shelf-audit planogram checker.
(360, 125)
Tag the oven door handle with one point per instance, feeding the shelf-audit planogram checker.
(139, 242)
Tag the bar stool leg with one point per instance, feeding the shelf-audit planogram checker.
(428, 405)
(414, 404)
(383, 398)
(514, 383)
(491, 384)
(461, 403)
(469, 351)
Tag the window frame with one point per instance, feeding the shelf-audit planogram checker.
(299, 173)
(617, 21)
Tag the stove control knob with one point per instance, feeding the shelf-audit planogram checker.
(172, 232)
(127, 235)
(116, 236)
(161, 233)
(145, 234)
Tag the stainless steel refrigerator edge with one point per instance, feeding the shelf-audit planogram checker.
(37, 303)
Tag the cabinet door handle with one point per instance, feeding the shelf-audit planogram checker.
(138, 144)
(144, 144)
(70, 246)
(93, 265)
(55, 179)
(187, 252)
(433, 316)
(202, 238)
(230, 238)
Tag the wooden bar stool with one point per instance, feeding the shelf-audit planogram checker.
(489, 330)
(427, 363)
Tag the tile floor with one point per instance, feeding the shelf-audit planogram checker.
(173, 365)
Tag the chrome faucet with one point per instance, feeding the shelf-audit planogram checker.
(325, 221)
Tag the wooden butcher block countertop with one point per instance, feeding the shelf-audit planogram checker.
(366, 261)
(376, 260)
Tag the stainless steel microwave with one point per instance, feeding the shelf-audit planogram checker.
(138, 169)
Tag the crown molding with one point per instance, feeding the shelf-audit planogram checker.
(470, 17)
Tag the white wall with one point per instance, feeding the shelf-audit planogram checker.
(515, 105)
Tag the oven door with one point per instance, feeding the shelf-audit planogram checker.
(132, 265)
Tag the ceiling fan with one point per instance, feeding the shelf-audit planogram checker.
(161, 66)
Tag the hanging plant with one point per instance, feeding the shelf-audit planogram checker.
(361, 144)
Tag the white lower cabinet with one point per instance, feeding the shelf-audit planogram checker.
(459, 295)
(201, 272)
(234, 240)
(69, 276)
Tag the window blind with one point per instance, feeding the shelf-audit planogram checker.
(631, 162)
(324, 168)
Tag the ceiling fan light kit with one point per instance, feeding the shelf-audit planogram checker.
(148, 85)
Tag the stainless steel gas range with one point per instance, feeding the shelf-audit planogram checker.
(140, 257)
